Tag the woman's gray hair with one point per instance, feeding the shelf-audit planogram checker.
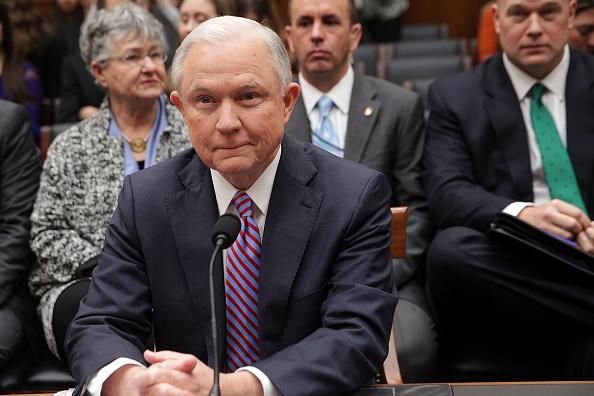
(223, 29)
(114, 24)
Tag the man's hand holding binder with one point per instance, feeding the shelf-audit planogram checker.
(557, 229)
(563, 219)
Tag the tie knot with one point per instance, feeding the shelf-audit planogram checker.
(537, 91)
(324, 105)
(243, 203)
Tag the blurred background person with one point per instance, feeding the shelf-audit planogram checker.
(135, 128)
(260, 11)
(487, 39)
(19, 81)
(62, 27)
(64, 23)
(192, 14)
(581, 35)
(20, 167)
(35, 44)
(381, 19)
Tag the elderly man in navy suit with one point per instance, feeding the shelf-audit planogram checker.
(310, 315)
(489, 136)
(377, 124)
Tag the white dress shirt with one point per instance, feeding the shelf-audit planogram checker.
(554, 100)
(340, 94)
(260, 193)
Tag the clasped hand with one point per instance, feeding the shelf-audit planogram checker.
(174, 373)
(563, 219)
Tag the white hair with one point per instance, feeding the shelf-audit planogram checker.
(223, 29)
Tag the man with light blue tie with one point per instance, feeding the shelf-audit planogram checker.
(377, 124)
(515, 135)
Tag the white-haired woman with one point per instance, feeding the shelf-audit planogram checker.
(135, 128)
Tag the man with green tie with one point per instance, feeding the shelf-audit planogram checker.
(514, 135)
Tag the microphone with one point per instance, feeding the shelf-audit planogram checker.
(224, 234)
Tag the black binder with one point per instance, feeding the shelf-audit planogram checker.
(511, 227)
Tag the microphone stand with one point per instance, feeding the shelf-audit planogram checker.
(224, 234)
(215, 391)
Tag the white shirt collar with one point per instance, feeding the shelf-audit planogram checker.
(259, 192)
(554, 81)
(339, 93)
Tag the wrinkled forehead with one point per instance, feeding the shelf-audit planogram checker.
(504, 4)
(245, 61)
(319, 8)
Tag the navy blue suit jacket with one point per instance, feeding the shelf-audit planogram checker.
(326, 294)
(476, 155)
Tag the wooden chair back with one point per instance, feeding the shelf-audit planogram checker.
(391, 370)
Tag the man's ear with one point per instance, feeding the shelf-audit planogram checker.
(572, 9)
(355, 37)
(291, 95)
(495, 14)
(176, 100)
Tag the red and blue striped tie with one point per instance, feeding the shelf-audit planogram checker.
(243, 268)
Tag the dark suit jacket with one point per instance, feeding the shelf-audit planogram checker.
(476, 153)
(390, 140)
(20, 167)
(78, 89)
(326, 295)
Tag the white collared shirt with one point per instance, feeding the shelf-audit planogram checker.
(554, 100)
(340, 94)
(259, 192)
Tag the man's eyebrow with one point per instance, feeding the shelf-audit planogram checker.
(250, 84)
(197, 87)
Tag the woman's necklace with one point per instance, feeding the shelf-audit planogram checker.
(138, 145)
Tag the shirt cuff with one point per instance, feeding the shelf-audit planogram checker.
(94, 383)
(267, 385)
(515, 208)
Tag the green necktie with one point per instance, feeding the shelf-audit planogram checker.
(555, 160)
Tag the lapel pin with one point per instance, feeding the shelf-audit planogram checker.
(368, 111)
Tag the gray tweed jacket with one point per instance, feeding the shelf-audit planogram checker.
(82, 177)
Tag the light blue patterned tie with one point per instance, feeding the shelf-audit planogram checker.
(243, 268)
(325, 134)
(555, 159)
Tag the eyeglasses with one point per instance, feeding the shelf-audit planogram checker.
(138, 59)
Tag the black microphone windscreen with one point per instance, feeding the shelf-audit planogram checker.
(227, 227)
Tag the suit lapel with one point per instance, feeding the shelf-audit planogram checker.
(360, 123)
(580, 118)
(193, 213)
(503, 110)
(292, 212)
